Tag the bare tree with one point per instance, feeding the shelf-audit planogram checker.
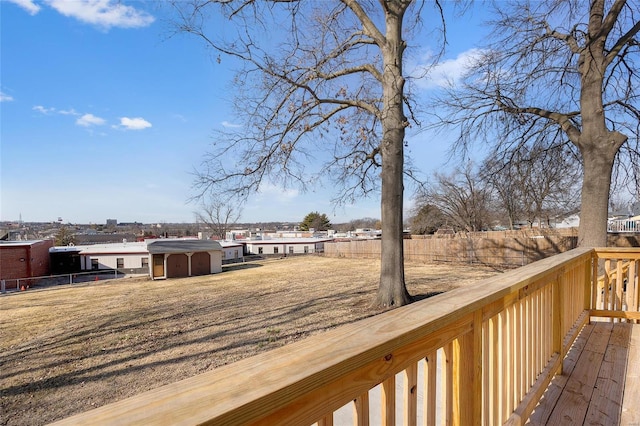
(318, 80)
(427, 219)
(217, 214)
(462, 199)
(533, 184)
(559, 71)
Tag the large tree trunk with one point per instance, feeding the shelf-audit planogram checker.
(392, 291)
(595, 199)
(598, 145)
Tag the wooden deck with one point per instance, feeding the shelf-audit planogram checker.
(600, 381)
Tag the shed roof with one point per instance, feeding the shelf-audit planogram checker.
(182, 246)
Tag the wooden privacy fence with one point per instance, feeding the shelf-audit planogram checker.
(482, 354)
(498, 251)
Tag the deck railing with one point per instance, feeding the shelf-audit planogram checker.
(482, 354)
(617, 294)
(623, 226)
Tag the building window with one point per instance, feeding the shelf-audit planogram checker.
(145, 262)
(290, 249)
(120, 262)
(306, 249)
(259, 250)
(95, 265)
(275, 250)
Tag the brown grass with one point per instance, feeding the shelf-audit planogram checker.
(67, 349)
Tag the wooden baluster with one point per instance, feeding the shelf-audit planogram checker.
(607, 283)
(502, 362)
(388, 405)
(635, 298)
(411, 395)
(519, 354)
(467, 373)
(326, 420)
(620, 286)
(361, 410)
(508, 349)
(596, 296)
(430, 389)
(486, 373)
(494, 382)
(530, 347)
(448, 382)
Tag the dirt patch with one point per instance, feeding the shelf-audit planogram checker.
(67, 349)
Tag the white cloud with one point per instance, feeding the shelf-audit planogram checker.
(137, 123)
(44, 110)
(180, 117)
(5, 98)
(103, 13)
(68, 112)
(445, 72)
(28, 5)
(230, 125)
(90, 120)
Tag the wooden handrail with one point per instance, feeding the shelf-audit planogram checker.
(494, 347)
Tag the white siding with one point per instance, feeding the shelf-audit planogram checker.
(109, 261)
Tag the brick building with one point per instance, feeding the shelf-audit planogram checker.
(24, 259)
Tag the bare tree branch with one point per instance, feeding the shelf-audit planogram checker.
(558, 70)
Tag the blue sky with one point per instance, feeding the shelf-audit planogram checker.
(102, 115)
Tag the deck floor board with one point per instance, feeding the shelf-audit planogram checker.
(599, 384)
(630, 414)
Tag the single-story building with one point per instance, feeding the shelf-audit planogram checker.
(285, 246)
(232, 251)
(126, 257)
(24, 259)
(172, 258)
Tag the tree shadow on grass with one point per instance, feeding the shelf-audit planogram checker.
(423, 296)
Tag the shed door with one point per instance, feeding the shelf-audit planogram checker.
(177, 266)
(158, 265)
(200, 263)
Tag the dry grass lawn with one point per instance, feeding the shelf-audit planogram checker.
(68, 349)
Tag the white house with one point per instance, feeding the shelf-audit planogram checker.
(232, 251)
(286, 246)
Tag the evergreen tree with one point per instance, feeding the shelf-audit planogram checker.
(315, 220)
